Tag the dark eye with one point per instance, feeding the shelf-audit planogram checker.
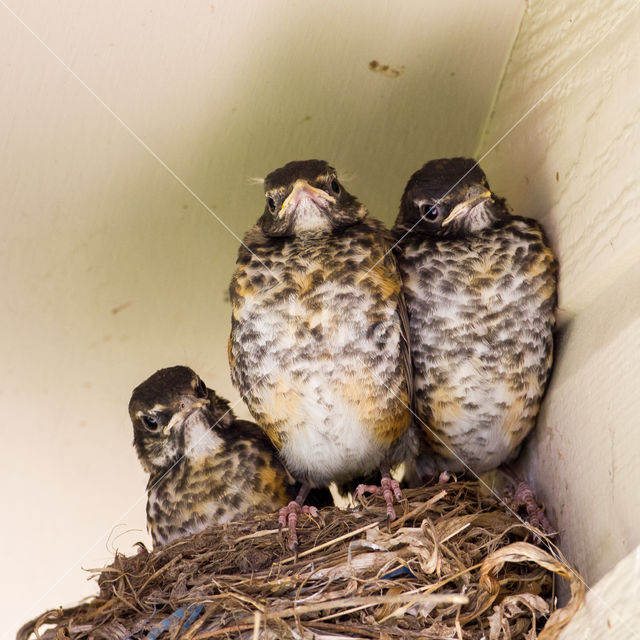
(150, 422)
(335, 186)
(271, 204)
(201, 389)
(429, 211)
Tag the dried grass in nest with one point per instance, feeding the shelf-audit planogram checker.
(456, 564)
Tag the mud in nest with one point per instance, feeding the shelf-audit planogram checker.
(455, 564)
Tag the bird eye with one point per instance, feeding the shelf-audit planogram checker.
(201, 389)
(271, 203)
(429, 211)
(335, 186)
(150, 422)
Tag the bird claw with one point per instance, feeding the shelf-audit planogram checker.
(142, 549)
(524, 496)
(288, 518)
(389, 488)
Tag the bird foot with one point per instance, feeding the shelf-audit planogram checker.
(524, 496)
(288, 518)
(389, 488)
(444, 477)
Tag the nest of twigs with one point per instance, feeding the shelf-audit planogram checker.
(455, 564)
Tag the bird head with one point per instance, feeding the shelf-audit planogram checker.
(449, 197)
(306, 196)
(174, 414)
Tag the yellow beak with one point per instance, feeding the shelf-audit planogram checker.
(465, 206)
(189, 404)
(302, 189)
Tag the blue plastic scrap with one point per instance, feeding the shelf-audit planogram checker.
(400, 572)
(193, 609)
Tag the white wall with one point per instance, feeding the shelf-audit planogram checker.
(574, 163)
(112, 269)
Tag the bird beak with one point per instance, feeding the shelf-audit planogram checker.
(188, 405)
(467, 205)
(302, 189)
(191, 403)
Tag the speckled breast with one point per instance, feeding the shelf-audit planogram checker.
(481, 313)
(315, 349)
(217, 479)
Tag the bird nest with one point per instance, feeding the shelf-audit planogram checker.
(455, 564)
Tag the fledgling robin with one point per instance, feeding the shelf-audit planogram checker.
(205, 466)
(480, 287)
(318, 344)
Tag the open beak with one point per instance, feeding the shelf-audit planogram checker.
(467, 205)
(301, 190)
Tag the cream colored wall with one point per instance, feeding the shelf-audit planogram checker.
(619, 587)
(112, 268)
(574, 163)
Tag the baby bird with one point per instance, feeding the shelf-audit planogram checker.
(205, 466)
(318, 346)
(480, 286)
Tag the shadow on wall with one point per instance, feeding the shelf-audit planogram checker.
(170, 260)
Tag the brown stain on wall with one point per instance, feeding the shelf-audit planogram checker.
(385, 69)
(121, 307)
